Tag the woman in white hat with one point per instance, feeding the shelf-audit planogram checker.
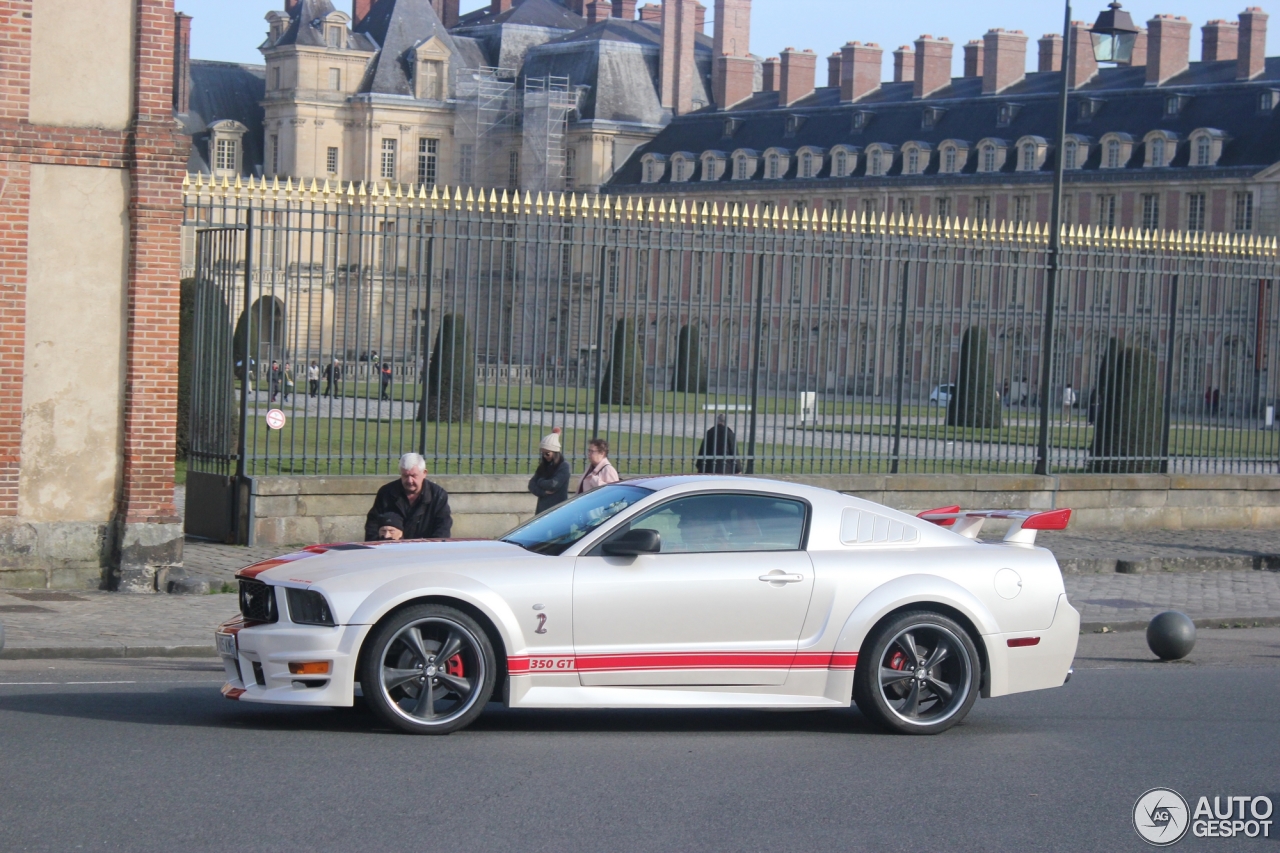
(551, 481)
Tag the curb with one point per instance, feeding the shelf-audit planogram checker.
(1153, 565)
(1216, 622)
(83, 652)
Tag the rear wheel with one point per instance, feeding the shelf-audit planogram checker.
(920, 676)
(429, 669)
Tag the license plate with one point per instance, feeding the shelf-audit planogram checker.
(226, 644)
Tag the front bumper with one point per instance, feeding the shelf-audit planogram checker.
(258, 667)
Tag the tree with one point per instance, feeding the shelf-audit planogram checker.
(691, 367)
(974, 402)
(1130, 420)
(451, 374)
(623, 381)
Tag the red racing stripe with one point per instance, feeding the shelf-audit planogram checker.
(674, 661)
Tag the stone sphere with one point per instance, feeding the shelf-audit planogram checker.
(1171, 635)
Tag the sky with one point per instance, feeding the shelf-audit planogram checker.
(231, 30)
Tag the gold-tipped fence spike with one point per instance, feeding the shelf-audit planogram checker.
(470, 199)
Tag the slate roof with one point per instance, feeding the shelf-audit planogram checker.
(225, 90)
(399, 26)
(1213, 99)
(528, 13)
(304, 28)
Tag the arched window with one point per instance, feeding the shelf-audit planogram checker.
(877, 167)
(949, 159)
(806, 165)
(1204, 149)
(1157, 152)
(742, 168)
(1113, 154)
(648, 172)
(1028, 156)
(988, 158)
(841, 163)
(773, 166)
(913, 161)
(1069, 155)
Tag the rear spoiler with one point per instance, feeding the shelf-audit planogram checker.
(1026, 522)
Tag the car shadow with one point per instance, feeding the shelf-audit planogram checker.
(204, 707)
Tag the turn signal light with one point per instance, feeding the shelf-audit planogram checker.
(317, 667)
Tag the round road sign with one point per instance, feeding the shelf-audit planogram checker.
(275, 419)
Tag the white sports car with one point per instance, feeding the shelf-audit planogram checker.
(667, 592)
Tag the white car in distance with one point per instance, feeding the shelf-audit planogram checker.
(666, 592)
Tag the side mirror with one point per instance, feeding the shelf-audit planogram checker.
(634, 543)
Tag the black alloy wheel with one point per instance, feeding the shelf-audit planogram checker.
(428, 669)
(917, 674)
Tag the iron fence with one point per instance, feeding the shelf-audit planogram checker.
(382, 320)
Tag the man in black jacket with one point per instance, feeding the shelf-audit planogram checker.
(412, 507)
(718, 453)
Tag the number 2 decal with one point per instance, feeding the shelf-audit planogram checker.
(542, 624)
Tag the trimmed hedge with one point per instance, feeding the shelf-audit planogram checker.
(975, 402)
(691, 367)
(451, 374)
(623, 381)
(1130, 421)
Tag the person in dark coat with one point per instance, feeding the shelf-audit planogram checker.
(550, 482)
(385, 373)
(718, 452)
(412, 507)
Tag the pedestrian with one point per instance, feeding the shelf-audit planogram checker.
(313, 380)
(273, 380)
(411, 507)
(288, 381)
(550, 482)
(332, 378)
(385, 373)
(718, 452)
(1008, 401)
(600, 471)
(1068, 400)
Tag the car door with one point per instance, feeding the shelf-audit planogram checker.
(723, 602)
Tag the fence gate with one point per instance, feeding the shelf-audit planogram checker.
(214, 464)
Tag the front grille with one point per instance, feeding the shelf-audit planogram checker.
(257, 601)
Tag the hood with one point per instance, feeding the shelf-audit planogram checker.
(378, 561)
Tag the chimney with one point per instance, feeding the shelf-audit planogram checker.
(359, 9)
(933, 65)
(181, 63)
(737, 80)
(904, 65)
(624, 9)
(497, 7)
(289, 6)
(730, 36)
(833, 70)
(651, 12)
(771, 79)
(859, 70)
(1050, 53)
(1139, 59)
(1081, 66)
(677, 55)
(799, 69)
(598, 10)
(1251, 53)
(1218, 40)
(699, 17)
(1004, 60)
(973, 58)
(1169, 48)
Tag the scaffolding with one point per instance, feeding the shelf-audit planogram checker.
(547, 104)
(485, 125)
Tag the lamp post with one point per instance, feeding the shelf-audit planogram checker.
(1113, 36)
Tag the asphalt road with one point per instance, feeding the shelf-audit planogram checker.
(145, 755)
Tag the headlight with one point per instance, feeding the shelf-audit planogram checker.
(308, 607)
(257, 601)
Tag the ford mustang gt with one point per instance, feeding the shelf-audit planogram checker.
(666, 592)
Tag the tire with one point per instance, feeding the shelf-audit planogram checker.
(400, 679)
(940, 696)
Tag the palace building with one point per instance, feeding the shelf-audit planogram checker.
(1161, 144)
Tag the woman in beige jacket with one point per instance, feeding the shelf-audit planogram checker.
(600, 471)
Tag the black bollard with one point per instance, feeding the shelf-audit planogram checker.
(1171, 635)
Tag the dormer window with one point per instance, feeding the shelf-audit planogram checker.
(1206, 146)
(794, 123)
(712, 165)
(1028, 156)
(431, 70)
(1117, 148)
(1031, 153)
(225, 147)
(1161, 148)
(931, 116)
(1113, 154)
(915, 158)
(1088, 108)
(861, 119)
(777, 162)
(333, 35)
(1267, 101)
(913, 161)
(1204, 150)
(844, 160)
(991, 155)
(773, 164)
(744, 164)
(682, 167)
(652, 168)
(731, 126)
(1173, 105)
(1007, 113)
(953, 154)
(879, 159)
(1070, 154)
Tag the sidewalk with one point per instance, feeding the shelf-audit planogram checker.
(49, 624)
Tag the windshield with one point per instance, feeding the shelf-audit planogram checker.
(558, 528)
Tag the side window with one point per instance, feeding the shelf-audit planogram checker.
(716, 523)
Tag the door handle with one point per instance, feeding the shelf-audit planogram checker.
(777, 577)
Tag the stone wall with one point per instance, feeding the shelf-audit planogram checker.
(291, 510)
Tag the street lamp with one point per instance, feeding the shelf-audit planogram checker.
(1113, 36)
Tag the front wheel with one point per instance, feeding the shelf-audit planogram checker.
(429, 669)
(920, 676)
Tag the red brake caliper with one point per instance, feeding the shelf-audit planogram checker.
(454, 666)
(898, 661)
